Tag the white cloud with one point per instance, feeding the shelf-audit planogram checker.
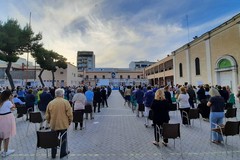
(116, 37)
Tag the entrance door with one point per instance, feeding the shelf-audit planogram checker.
(225, 78)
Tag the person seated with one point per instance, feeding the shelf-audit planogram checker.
(18, 102)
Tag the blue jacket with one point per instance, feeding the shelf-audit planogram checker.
(139, 96)
(148, 98)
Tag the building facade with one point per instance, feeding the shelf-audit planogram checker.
(23, 75)
(114, 77)
(211, 58)
(161, 72)
(136, 65)
(85, 60)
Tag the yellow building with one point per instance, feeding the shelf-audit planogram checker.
(161, 72)
(211, 58)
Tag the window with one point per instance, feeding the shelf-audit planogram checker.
(180, 70)
(95, 77)
(61, 72)
(103, 76)
(121, 76)
(128, 76)
(86, 76)
(197, 66)
(138, 77)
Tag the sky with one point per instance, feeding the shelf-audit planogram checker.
(118, 31)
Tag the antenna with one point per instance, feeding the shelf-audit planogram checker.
(187, 27)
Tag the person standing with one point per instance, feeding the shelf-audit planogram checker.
(30, 100)
(7, 122)
(59, 115)
(89, 95)
(216, 104)
(45, 98)
(160, 108)
(148, 99)
(97, 99)
(183, 99)
(139, 97)
(79, 101)
(104, 96)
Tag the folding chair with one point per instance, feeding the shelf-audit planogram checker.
(231, 128)
(22, 109)
(192, 114)
(171, 131)
(78, 118)
(231, 113)
(48, 139)
(34, 117)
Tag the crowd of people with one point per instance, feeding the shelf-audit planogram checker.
(56, 106)
(151, 102)
(154, 103)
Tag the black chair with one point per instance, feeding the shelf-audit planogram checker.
(34, 117)
(48, 139)
(171, 131)
(22, 110)
(191, 115)
(231, 113)
(231, 128)
(78, 118)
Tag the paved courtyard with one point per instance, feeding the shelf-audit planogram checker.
(117, 134)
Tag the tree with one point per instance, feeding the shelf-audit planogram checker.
(42, 57)
(15, 41)
(58, 62)
(49, 60)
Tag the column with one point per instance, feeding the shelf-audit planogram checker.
(208, 60)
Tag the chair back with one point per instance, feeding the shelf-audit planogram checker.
(231, 128)
(171, 130)
(77, 116)
(35, 117)
(47, 139)
(193, 114)
(231, 113)
(21, 109)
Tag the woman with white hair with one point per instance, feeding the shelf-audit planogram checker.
(216, 104)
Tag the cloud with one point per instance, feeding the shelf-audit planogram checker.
(118, 31)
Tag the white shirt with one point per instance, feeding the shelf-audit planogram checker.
(79, 100)
(6, 107)
(183, 101)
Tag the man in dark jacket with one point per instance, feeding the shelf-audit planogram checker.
(45, 98)
(139, 97)
(148, 99)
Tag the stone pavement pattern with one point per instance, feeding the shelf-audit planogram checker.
(117, 134)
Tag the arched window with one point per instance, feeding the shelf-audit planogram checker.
(180, 70)
(197, 66)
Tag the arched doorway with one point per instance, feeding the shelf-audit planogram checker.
(226, 72)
